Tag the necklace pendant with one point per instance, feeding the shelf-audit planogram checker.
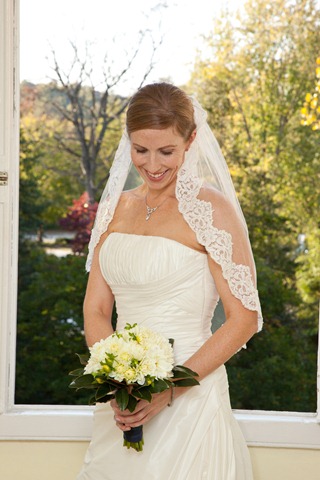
(150, 211)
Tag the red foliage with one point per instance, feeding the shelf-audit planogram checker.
(79, 219)
(28, 96)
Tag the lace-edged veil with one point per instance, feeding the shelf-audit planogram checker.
(204, 165)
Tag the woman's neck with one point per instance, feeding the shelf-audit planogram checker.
(156, 194)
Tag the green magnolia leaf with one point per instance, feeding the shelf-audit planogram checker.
(104, 390)
(85, 381)
(76, 373)
(114, 383)
(104, 399)
(181, 374)
(83, 358)
(132, 403)
(159, 386)
(186, 382)
(122, 398)
(143, 393)
(186, 370)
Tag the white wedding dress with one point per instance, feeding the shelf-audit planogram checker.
(167, 286)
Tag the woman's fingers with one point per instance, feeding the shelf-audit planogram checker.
(122, 426)
(143, 412)
(131, 418)
(141, 405)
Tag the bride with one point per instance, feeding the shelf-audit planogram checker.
(166, 251)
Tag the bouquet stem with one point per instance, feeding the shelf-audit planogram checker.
(134, 438)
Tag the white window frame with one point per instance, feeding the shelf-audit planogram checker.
(37, 422)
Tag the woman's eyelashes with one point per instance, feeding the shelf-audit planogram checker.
(167, 152)
(163, 152)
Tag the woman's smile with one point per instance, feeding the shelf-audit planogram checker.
(156, 177)
(157, 155)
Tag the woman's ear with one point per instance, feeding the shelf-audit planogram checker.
(191, 138)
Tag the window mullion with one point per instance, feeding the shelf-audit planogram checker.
(9, 210)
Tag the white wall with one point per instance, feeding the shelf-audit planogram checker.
(25, 460)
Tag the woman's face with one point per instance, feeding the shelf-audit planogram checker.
(158, 155)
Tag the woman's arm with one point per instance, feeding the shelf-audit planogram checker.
(98, 304)
(241, 323)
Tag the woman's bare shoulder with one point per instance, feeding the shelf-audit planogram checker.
(224, 215)
(127, 196)
(217, 199)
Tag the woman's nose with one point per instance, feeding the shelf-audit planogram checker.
(153, 163)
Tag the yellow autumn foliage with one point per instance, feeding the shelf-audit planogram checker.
(310, 112)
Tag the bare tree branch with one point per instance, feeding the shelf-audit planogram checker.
(66, 147)
(91, 113)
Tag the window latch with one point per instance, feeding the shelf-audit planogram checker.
(3, 178)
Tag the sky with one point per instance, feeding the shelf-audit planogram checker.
(113, 26)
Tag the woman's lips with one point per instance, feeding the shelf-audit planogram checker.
(156, 177)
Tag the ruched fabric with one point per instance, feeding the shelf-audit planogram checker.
(168, 287)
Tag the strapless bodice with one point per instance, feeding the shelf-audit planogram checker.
(163, 285)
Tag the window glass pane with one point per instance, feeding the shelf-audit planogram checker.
(253, 86)
(102, 47)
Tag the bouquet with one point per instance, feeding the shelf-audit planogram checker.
(130, 365)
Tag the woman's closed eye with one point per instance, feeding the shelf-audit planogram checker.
(166, 152)
(141, 150)
(163, 152)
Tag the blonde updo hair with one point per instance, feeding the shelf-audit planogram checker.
(159, 106)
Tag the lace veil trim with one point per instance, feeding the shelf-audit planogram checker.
(111, 195)
(218, 243)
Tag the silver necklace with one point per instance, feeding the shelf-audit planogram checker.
(150, 210)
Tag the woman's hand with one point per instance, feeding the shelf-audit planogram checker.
(144, 411)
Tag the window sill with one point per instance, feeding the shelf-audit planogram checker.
(74, 423)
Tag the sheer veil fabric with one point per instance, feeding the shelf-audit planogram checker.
(168, 287)
(203, 169)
